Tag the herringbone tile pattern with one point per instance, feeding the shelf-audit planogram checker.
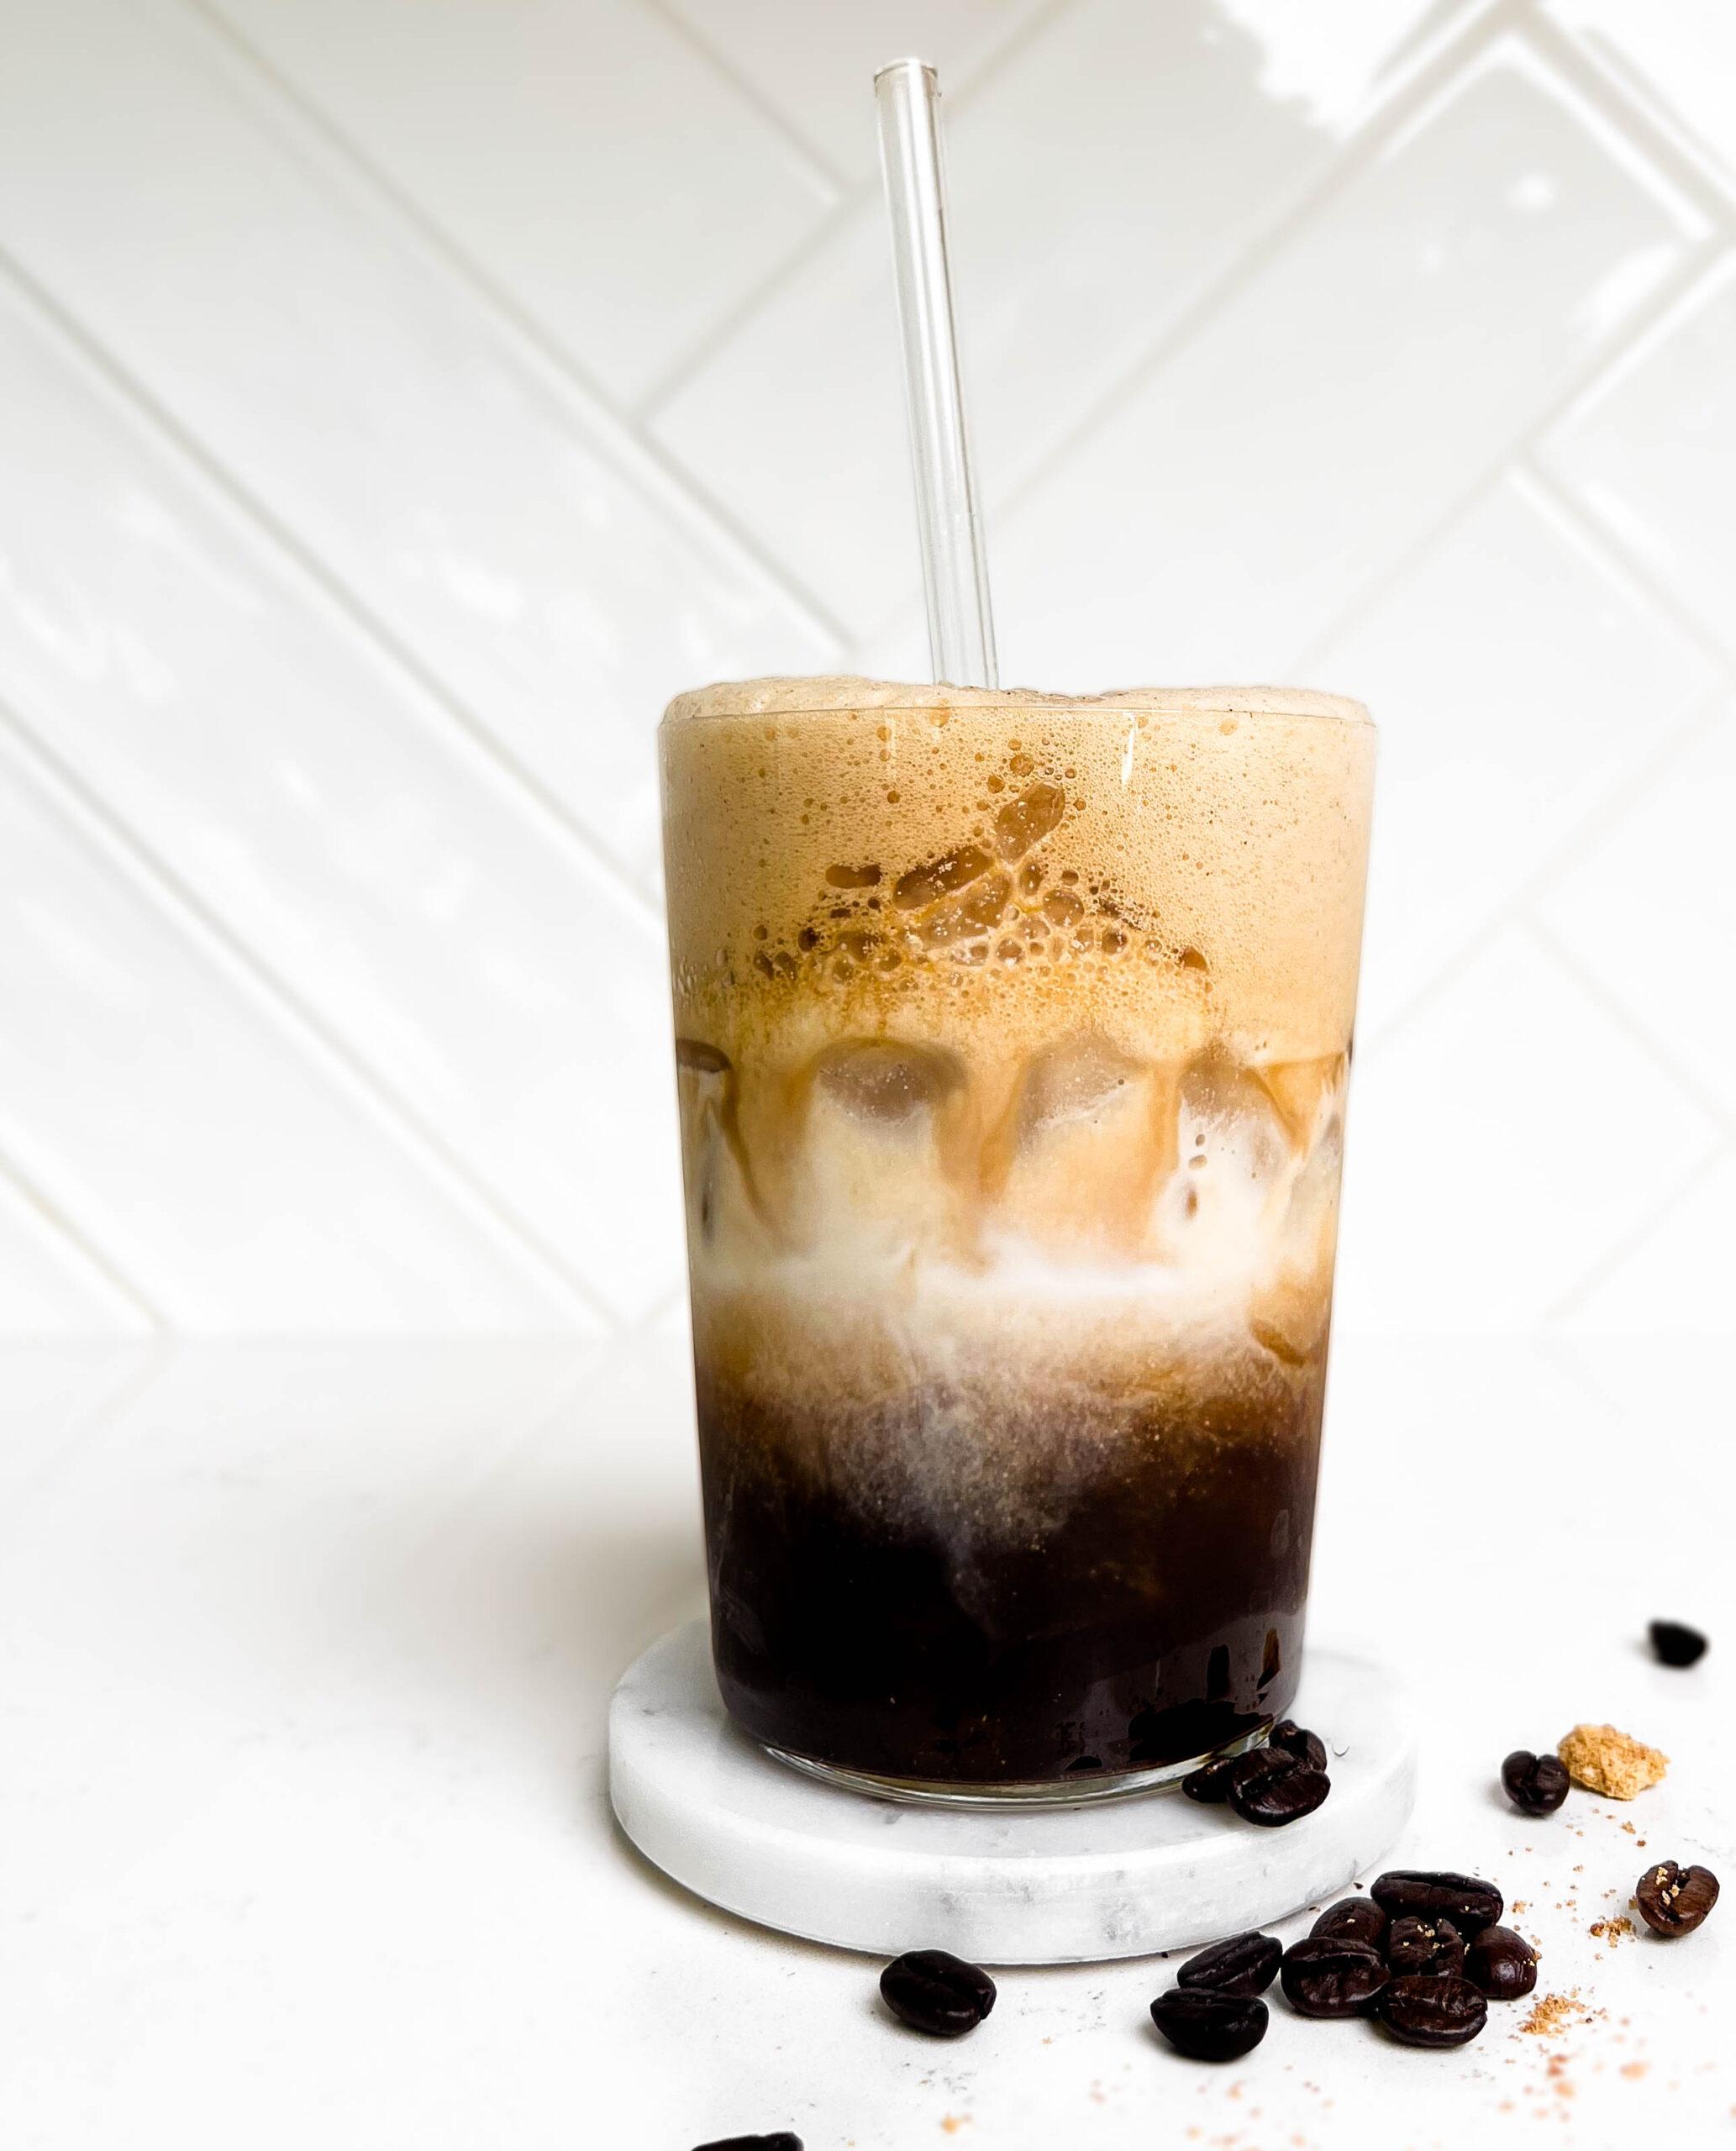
(399, 399)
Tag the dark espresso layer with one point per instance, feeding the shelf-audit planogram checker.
(1135, 1600)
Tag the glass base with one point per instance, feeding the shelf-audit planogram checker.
(1084, 1790)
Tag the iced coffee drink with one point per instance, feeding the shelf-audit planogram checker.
(1012, 1036)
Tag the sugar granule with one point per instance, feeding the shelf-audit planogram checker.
(1552, 2013)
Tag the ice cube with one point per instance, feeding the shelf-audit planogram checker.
(884, 1081)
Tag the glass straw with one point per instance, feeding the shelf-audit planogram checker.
(961, 634)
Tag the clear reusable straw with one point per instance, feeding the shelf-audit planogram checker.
(961, 633)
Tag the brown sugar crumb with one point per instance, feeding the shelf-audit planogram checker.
(1628, 1827)
(1552, 2013)
(1610, 1762)
(1612, 1930)
(1635, 2069)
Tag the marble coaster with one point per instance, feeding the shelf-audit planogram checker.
(1120, 1878)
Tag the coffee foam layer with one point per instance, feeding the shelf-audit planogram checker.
(988, 870)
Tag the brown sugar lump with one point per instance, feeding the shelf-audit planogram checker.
(1609, 1762)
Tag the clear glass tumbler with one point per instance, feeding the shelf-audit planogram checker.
(1013, 1033)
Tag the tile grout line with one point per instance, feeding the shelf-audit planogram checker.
(1531, 473)
(1519, 452)
(61, 1223)
(1431, 76)
(1593, 827)
(687, 365)
(1482, 27)
(540, 356)
(543, 808)
(859, 194)
(1605, 1264)
(1721, 1116)
(1638, 111)
(745, 87)
(101, 830)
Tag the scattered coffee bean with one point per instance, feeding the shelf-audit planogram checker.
(1536, 1785)
(1325, 1977)
(1425, 1949)
(1432, 2012)
(1208, 2026)
(1676, 1644)
(1270, 1786)
(1307, 1747)
(934, 1992)
(1247, 1964)
(1503, 1964)
(1674, 1899)
(1468, 1902)
(1210, 1783)
(1354, 1919)
(781, 2141)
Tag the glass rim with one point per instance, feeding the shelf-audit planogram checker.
(792, 696)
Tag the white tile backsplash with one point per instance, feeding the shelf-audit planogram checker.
(507, 534)
(1217, 524)
(152, 1099)
(1116, 166)
(371, 859)
(599, 168)
(1649, 911)
(1648, 452)
(1681, 56)
(399, 399)
(1508, 1139)
(1550, 686)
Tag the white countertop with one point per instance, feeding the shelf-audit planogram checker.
(304, 1653)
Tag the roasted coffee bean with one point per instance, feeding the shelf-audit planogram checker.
(1674, 1899)
(1675, 1644)
(781, 2141)
(1324, 1977)
(932, 1992)
(1503, 1964)
(1210, 1783)
(1425, 1949)
(1468, 1902)
(1307, 1747)
(1270, 1786)
(1536, 1785)
(1208, 2026)
(1247, 1964)
(1432, 2012)
(1354, 1919)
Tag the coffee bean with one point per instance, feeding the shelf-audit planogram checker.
(1354, 1919)
(1269, 1786)
(1469, 1903)
(934, 1992)
(1432, 2012)
(782, 2141)
(1674, 1899)
(1675, 1644)
(1322, 1976)
(1307, 1747)
(1210, 1783)
(1503, 1964)
(1536, 1785)
(1208, 2026)
(1247, 1964)
(1425, 1949)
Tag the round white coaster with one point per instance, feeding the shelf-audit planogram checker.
(1119, 1878)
